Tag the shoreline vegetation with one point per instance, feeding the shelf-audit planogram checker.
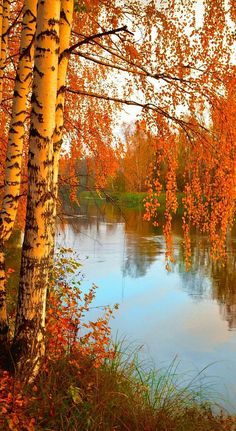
(73, 393)
(133, 200)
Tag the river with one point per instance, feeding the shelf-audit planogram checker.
(189, 316)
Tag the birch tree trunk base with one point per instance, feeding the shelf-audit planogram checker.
(3, 311)
(27, 352)
(28, 345)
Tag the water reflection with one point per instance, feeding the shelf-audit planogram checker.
(216, 279)
(142, 245)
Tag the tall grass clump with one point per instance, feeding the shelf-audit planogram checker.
(86, 383)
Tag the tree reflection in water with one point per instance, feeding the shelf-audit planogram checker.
(143, 245)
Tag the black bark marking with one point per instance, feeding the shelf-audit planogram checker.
(52, 22)
(63, 16)
(52, 34)
(59, 107)
(15, 165)
(18, 123)
(21, 113)
(61, 90)
(35, 100)
(41, 74)
(17, 94)
(13, 131)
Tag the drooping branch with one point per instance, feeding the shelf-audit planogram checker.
(145, 106)
(183, 85)
(107, 64)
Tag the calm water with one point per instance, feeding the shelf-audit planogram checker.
(188, 314)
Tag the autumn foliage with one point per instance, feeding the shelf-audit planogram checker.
(172, 61)
(184, 78)
(70, 337)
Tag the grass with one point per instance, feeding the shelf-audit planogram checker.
(74, 395)
(129, 199)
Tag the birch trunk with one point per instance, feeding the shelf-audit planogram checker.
(66, 18)
(19, 116)
(3, 310)
(15, 147)
(28, 343)
(4, 39)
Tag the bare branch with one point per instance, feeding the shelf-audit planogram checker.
(107, 64)
(92, 37)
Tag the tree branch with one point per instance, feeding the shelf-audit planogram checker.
(107, 64)
(92, 37)
(12, 24)
(146, 106)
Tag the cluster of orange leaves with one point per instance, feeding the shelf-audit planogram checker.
(69, 334)
(154, 186)
(12, 405)
(210, 192)
(68, 331)
(207, 165)
(165, 154)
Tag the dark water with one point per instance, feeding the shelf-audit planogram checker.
(188, 314)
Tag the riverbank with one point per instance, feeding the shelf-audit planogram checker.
(124, 199)
(72, 394)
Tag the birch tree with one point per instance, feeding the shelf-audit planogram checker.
(15, 144)
(66, 18)
(40, 217)
(4, 25)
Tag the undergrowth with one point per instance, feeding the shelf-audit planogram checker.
(86, 383)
